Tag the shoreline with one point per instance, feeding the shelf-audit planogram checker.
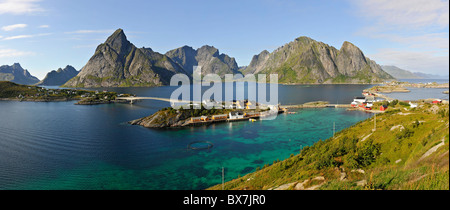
(80, 101)
(381, 131)
(39, 100)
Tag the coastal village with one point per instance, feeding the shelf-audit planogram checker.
(241, 110)
(372, 100)
(17, 92)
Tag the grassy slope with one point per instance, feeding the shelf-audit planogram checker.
(12, 90)
(389, 158)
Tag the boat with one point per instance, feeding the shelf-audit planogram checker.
(252, 120)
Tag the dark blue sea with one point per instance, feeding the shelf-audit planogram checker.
(59, 145)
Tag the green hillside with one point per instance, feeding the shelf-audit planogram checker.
(408, 150)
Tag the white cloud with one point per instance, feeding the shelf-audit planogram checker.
(424, 61)
(14, 27)
(437, 41)
(91, 32)
(25, 36)
(18, 7)
(406, 13)
(417, 28)
(13, 53)
(18, 37)
(44, 26)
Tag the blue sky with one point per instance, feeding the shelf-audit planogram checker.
(43, 35)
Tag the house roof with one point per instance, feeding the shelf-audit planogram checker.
(237, 113)
(220, 115)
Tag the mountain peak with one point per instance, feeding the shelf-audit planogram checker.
(352, 50)
(117, 62)
(303, 38)
(118, 33)
(118, 41)
(349, 45)
(210, 50)
(187, 47)
(17, 66)
(17, 74)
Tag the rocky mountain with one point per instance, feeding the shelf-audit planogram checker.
(17, 74)
(118, 63)
(399, 73)
(308, 61)
(207, 57)
(59, 77)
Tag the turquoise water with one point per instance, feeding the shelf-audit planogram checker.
(62, 146)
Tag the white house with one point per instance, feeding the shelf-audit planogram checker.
(236, 115)
(360, 100)
(412, 105)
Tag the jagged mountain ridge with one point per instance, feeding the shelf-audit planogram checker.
(59, 77)
(208, 57)
(118, 63)
(17, 74)
(308, 61)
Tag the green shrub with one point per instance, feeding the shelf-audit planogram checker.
(404, 104)
(393, 103)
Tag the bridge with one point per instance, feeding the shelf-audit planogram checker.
(132, 99)
(316, 106)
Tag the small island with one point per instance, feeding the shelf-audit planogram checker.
(401, 87)
(176, 118)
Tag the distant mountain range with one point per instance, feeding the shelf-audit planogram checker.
(399, 73)
(59, 77)
(430, 76)
(17, 74)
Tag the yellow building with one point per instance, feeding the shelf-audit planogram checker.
(196, 119)
(220, 117)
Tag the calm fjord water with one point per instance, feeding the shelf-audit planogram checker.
(59, 145)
